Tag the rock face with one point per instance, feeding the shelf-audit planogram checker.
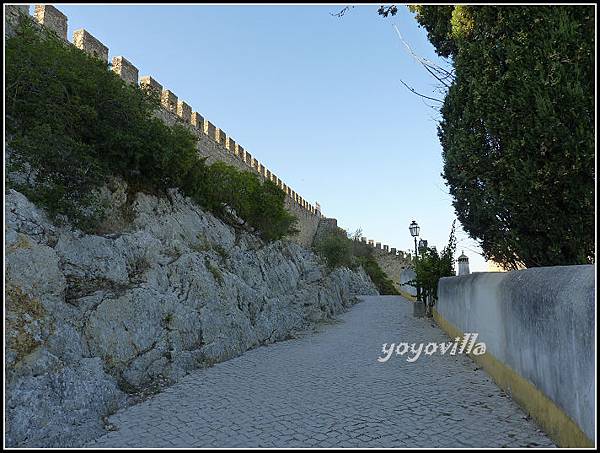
(92, 319)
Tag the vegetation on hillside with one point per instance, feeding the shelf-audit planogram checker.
(517, 127)
(340, 250)
(75, 124)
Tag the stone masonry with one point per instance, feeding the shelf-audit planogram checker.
(184, 111)
(51, 18)
(197, 121)
(86, 42)
(149, 84)
(12, 13)
(124, 69)
(168, 100)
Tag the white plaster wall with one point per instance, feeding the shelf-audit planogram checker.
(539, 322)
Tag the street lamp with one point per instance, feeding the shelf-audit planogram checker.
(422, 251)
(414, 232)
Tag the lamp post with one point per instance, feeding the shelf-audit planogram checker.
(419, 306)
(424, 294)
(414, 229)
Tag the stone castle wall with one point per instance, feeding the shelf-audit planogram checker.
(213, 142)
(394, 265)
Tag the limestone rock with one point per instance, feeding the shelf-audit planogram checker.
(60, 408)
(169, 289)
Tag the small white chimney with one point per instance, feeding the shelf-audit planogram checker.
(463, 264)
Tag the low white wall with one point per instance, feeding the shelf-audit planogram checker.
(539, 322)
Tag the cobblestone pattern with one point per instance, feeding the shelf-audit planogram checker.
(326, 389)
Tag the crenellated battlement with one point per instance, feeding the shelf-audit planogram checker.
(168, 101)
(51, 18)
(328, 225)
(84, 40)
(150, 85)
(385, 249)
(184, 111)
(124, 69)
(219, 146)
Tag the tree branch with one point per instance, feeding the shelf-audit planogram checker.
(439, 73)
(387, 10)
(419, 94)
(342, 11)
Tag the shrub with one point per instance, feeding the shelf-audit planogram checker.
(432, 265)
(339, 250)
(378, 277)
(75, 124)
(336, 250)
(260, 204)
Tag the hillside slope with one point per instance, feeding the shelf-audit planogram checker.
(93, 319)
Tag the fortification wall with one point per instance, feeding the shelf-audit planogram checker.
(406, 276)
(326, 227)
(11, 17)
(212, 141)
(394, 265)
(214, 151)
(307, 223)
(392, 262)
(538, 327)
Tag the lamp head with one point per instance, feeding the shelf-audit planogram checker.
(414, 229)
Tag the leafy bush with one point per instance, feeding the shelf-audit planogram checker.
(339, 250)
(378, 277)
(75, 124)
(261, 204)
(431, 265)
(336, 249)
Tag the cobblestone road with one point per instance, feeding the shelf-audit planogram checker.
(327, 389)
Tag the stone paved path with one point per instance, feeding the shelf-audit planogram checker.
(327, 389)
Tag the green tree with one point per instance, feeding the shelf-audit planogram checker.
(432, 265)
(517, 128)
(336, 249)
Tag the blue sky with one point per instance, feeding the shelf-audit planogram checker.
(316, 98)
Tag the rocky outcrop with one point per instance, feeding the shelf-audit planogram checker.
(165, 289)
